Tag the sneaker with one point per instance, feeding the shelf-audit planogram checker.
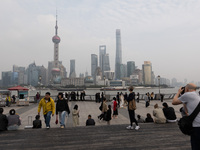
(62, 127)
(137, 127)
(47, 127)
(129, 127)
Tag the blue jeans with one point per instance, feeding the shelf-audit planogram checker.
(47, 118)
(13, 127)
(62, 116)
(195, 138)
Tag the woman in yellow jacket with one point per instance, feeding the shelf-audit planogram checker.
(48, 106)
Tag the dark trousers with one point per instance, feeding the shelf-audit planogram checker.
(195, 138)
(132, 117)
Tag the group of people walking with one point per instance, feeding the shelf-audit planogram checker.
(61, 109)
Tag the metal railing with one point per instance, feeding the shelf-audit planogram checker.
(108, 97)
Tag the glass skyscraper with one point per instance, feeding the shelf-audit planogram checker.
(72, 69)
(130, 68)
(118, 58)
(94, 65)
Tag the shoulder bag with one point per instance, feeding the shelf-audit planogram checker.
(185, 123)
(132, 105)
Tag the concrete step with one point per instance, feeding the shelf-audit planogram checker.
(150, 136)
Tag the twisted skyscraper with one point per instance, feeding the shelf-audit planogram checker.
(118, 58)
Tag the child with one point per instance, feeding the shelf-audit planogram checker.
(108, 115)
(37, 122)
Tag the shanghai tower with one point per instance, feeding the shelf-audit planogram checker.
(118, 58)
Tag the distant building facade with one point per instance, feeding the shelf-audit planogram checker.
(147, 73)
(130, 68)
(72, 69)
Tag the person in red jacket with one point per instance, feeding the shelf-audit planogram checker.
(115, 111)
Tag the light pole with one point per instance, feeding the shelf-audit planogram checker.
(159, 85)
(104, 85)
(40, 79)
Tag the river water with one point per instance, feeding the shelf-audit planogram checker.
(93, 91)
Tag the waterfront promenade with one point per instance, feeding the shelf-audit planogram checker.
(86, 108)
(102, 136)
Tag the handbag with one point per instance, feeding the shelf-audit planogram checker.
(185, 123)
(132, 105)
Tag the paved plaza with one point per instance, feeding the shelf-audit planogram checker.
(86, 108)
(102, 136)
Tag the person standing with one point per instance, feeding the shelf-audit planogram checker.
(104, 109)
(118, 99)
(77, 95)
(138, 97)
(191, 99)
(146, 99)
(14, 98)
(37, 97)
(115, 109)
(62, 109)
(8, 100)
(75, 114)
(48, 106)
(125, 98)
(84, 95)
(152, 95)
(3, 121)
(131, 111)
(108, 115)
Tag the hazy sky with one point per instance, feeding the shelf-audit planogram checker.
(165, 32)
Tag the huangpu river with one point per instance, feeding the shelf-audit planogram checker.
(93, 91)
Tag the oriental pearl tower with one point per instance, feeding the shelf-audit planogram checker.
(56, 69)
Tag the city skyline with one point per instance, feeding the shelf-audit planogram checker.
(165, 33)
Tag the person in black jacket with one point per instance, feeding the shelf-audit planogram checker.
(169, 113)
(149, 118)
(3, 121)
(108, 114)
(37, 122)
(90, 121)
(131, 112)
(61, 109)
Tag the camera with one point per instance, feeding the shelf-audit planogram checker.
(183, 88)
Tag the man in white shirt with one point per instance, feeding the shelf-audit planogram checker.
(191, 99)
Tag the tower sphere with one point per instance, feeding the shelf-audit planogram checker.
(56, 39)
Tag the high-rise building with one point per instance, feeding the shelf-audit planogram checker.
(106, 63)
(72, 73)
(33, 74)
(42, 72)
(147, 73)
(118, 58)
(130, 68)
(123, 70)
(6, 78)
(102, 53)
(94, 65)
(22, 76)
